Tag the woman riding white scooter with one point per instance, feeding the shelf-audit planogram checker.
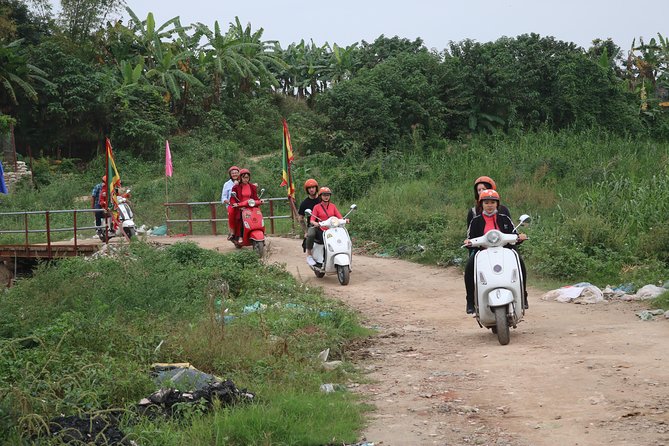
(489, 219)
(321, 212)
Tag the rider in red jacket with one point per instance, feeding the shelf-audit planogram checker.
(321, 212)
(242, 192)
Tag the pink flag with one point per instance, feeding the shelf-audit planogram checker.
(168, 160)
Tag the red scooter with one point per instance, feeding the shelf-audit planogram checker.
(253, 225)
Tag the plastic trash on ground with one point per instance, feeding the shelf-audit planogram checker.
(584, 292)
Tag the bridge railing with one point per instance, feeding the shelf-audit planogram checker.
(213, 214)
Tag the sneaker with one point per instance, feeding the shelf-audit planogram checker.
(471, 309)
(311, 261)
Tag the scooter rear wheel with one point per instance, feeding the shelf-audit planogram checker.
(502, 325)
(130, 232)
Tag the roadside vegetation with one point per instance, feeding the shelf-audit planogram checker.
(80, 335)
(578, 138)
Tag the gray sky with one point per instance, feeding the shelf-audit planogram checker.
(436, 21)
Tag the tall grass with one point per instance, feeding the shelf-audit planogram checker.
(80, 336)
(595, 199)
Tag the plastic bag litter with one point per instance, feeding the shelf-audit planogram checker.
(584, 292)
(649, 292)
(181, 375)
(648, 315)
(158, 230)
(203, 387)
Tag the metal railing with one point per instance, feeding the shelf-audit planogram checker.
(48, 230)
(213, 219)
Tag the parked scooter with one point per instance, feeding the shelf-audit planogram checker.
(253, 225)
(499, 282)
(124, 226)
(334, 253)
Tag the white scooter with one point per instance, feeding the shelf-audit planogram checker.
(125, 216)
(499, 282)
(126, 222)
(334, 255)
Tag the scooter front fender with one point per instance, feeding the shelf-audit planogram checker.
(342, 259)
(500, 297)
(257, 235)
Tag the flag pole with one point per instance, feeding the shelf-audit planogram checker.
(167, 200)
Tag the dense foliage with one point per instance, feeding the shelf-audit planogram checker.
(72, 79)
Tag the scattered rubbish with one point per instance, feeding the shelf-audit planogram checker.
(647, 315)
(328, 365)
(256, 306)
(324, 313)
(181, 375)
(625, 288)
(158, 230)
(644, 293)
(327, 388)
(331, 365)
(382, 254)
(649, 292)
(583, 292)
(87, 429)
(323, 356)
(202, 388)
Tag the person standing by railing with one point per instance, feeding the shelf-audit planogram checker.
(233, 174)
(95, 202)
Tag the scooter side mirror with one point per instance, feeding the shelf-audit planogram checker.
(354, 207)
(233, 194)
(524, 220)
(262, 191)
(307, 212)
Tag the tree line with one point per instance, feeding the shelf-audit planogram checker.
(69, 79)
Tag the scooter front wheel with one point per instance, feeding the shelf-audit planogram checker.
(259, 247)
(502, 325)
(343, 274)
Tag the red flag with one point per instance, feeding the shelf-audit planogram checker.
(168, 160)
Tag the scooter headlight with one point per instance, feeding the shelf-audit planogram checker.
(252, 202)
(334, 222)
(493, 237)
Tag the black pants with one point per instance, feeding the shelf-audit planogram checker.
(469, 278)
(99, 216)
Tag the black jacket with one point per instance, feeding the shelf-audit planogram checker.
(477, 226)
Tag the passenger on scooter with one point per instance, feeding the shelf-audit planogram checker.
(321, 212)
(233, 174)
(487, 220)
(311, 188)
(483, 183)
(242, 192)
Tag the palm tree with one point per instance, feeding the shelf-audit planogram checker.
(15, 71)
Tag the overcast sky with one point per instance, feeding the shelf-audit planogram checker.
(436, 21)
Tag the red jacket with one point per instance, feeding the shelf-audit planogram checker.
(324, 210)
(237, 188)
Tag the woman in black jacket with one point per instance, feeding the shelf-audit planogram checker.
(487, 220)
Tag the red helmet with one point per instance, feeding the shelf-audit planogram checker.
(310, 183)
(488, 194)
(232, 168)
(487, 180)
(244, 171)
(324, 190)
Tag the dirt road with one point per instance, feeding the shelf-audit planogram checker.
(572, 374)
